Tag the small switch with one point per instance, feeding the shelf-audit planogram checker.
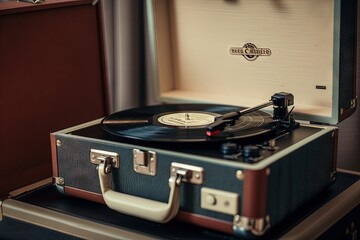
(210, 199)
(219, 201)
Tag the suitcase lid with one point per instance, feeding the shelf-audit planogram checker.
(53, 76)
(243, 52)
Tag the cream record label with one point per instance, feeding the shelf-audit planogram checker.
(187, 119)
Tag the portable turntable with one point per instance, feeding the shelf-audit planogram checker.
(230, 149)
(191, 142)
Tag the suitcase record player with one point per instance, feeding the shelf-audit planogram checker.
(243, 161)
(235, 147)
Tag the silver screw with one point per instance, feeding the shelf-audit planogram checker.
(240, 175)
(58, 143)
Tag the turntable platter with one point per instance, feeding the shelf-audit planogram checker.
(185, 123)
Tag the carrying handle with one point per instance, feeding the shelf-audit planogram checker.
(139, 207)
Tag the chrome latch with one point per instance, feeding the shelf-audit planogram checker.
(190, 173)
(256, 226)
(110, 159)
(144, 162)
(59, 181)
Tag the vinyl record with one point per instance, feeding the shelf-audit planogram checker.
(184, 123)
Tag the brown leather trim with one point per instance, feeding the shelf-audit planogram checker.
(75, 192)
(207, 222)
(54, 160)
(254, 194)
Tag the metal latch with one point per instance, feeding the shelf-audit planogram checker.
(256, 226)
(144, 162)
(111, 159)
(59, 181)
(190, 173)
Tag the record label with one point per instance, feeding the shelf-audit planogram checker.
(187, 119)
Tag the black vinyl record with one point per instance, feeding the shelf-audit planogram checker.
(184, 123)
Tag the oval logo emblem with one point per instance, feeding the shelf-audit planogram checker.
(250, 52)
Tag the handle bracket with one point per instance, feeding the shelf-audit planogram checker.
(191, 174)
(110, 159)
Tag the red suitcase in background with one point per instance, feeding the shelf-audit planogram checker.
(52, 76)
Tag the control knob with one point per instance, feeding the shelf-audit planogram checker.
(251, 153)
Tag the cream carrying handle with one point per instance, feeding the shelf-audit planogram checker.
(139, 207)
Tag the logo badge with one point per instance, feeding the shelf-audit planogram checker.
(250, 52)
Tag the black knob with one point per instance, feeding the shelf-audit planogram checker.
(229, 148)
(251, 152)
